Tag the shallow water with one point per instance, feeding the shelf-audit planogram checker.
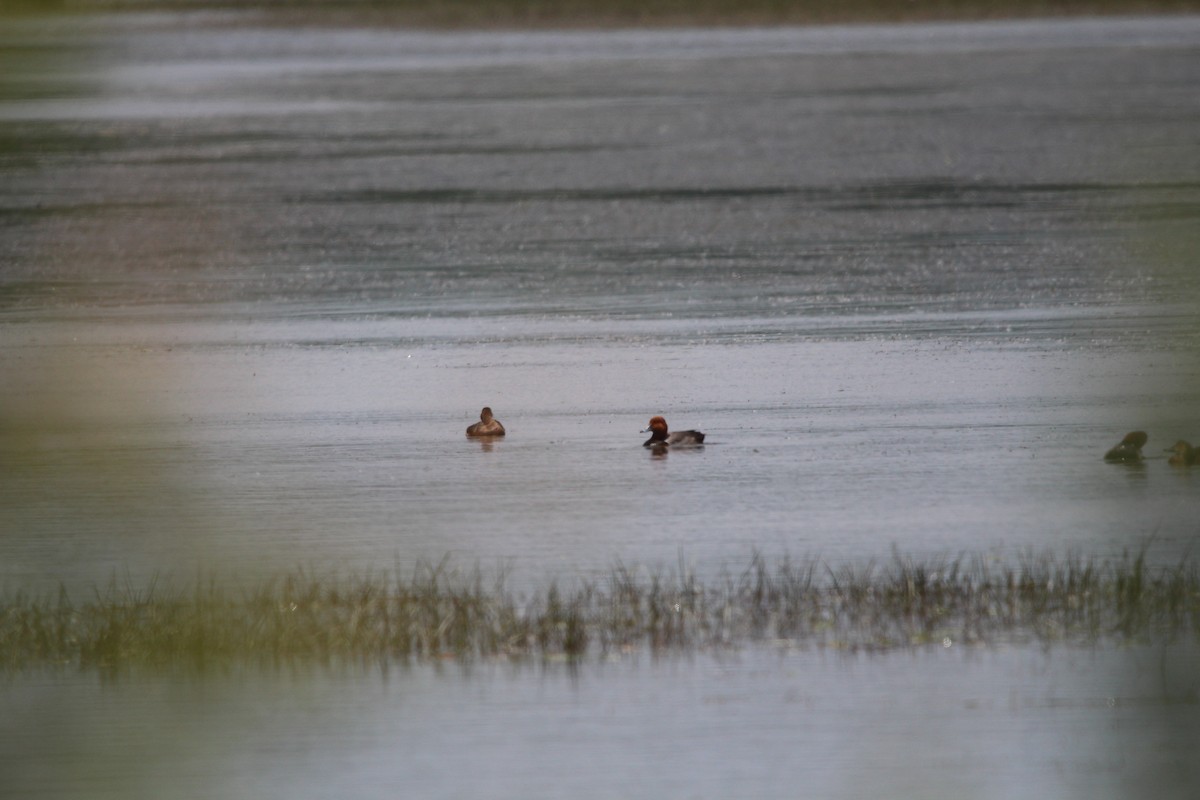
(912, 281)
(349, 456)
(266, 278)
(995, 723)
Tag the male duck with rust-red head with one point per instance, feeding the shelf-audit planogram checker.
(659, 437)
(1129, 449)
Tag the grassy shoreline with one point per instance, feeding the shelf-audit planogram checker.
(498, 14)
(439, 613)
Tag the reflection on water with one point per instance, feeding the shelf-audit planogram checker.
(1005, 722)
(911, 281)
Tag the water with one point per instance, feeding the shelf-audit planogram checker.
(912, 281)
(758, 723)
(351, 455)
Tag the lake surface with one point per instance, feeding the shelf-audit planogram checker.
(989, 723)
(912, 281)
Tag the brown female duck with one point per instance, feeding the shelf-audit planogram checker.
(1185, 455)
(487, 425)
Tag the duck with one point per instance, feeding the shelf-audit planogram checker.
(660, 438)
(1129, 449)
(487, 425)
(1185, 454)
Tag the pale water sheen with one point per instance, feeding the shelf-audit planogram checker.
(911, 281)
(760, 723)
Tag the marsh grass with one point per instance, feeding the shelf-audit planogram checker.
(441, 613)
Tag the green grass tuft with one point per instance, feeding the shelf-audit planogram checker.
(440, 613)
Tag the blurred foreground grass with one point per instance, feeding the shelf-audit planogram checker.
(437, 613)
(550, 13)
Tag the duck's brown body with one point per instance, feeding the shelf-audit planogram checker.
(1185, 455)
(487, 425)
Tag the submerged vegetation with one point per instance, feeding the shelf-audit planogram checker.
(438, 613)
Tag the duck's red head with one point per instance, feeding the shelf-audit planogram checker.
(486, 414)
(1135, 439)
(657, 425)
